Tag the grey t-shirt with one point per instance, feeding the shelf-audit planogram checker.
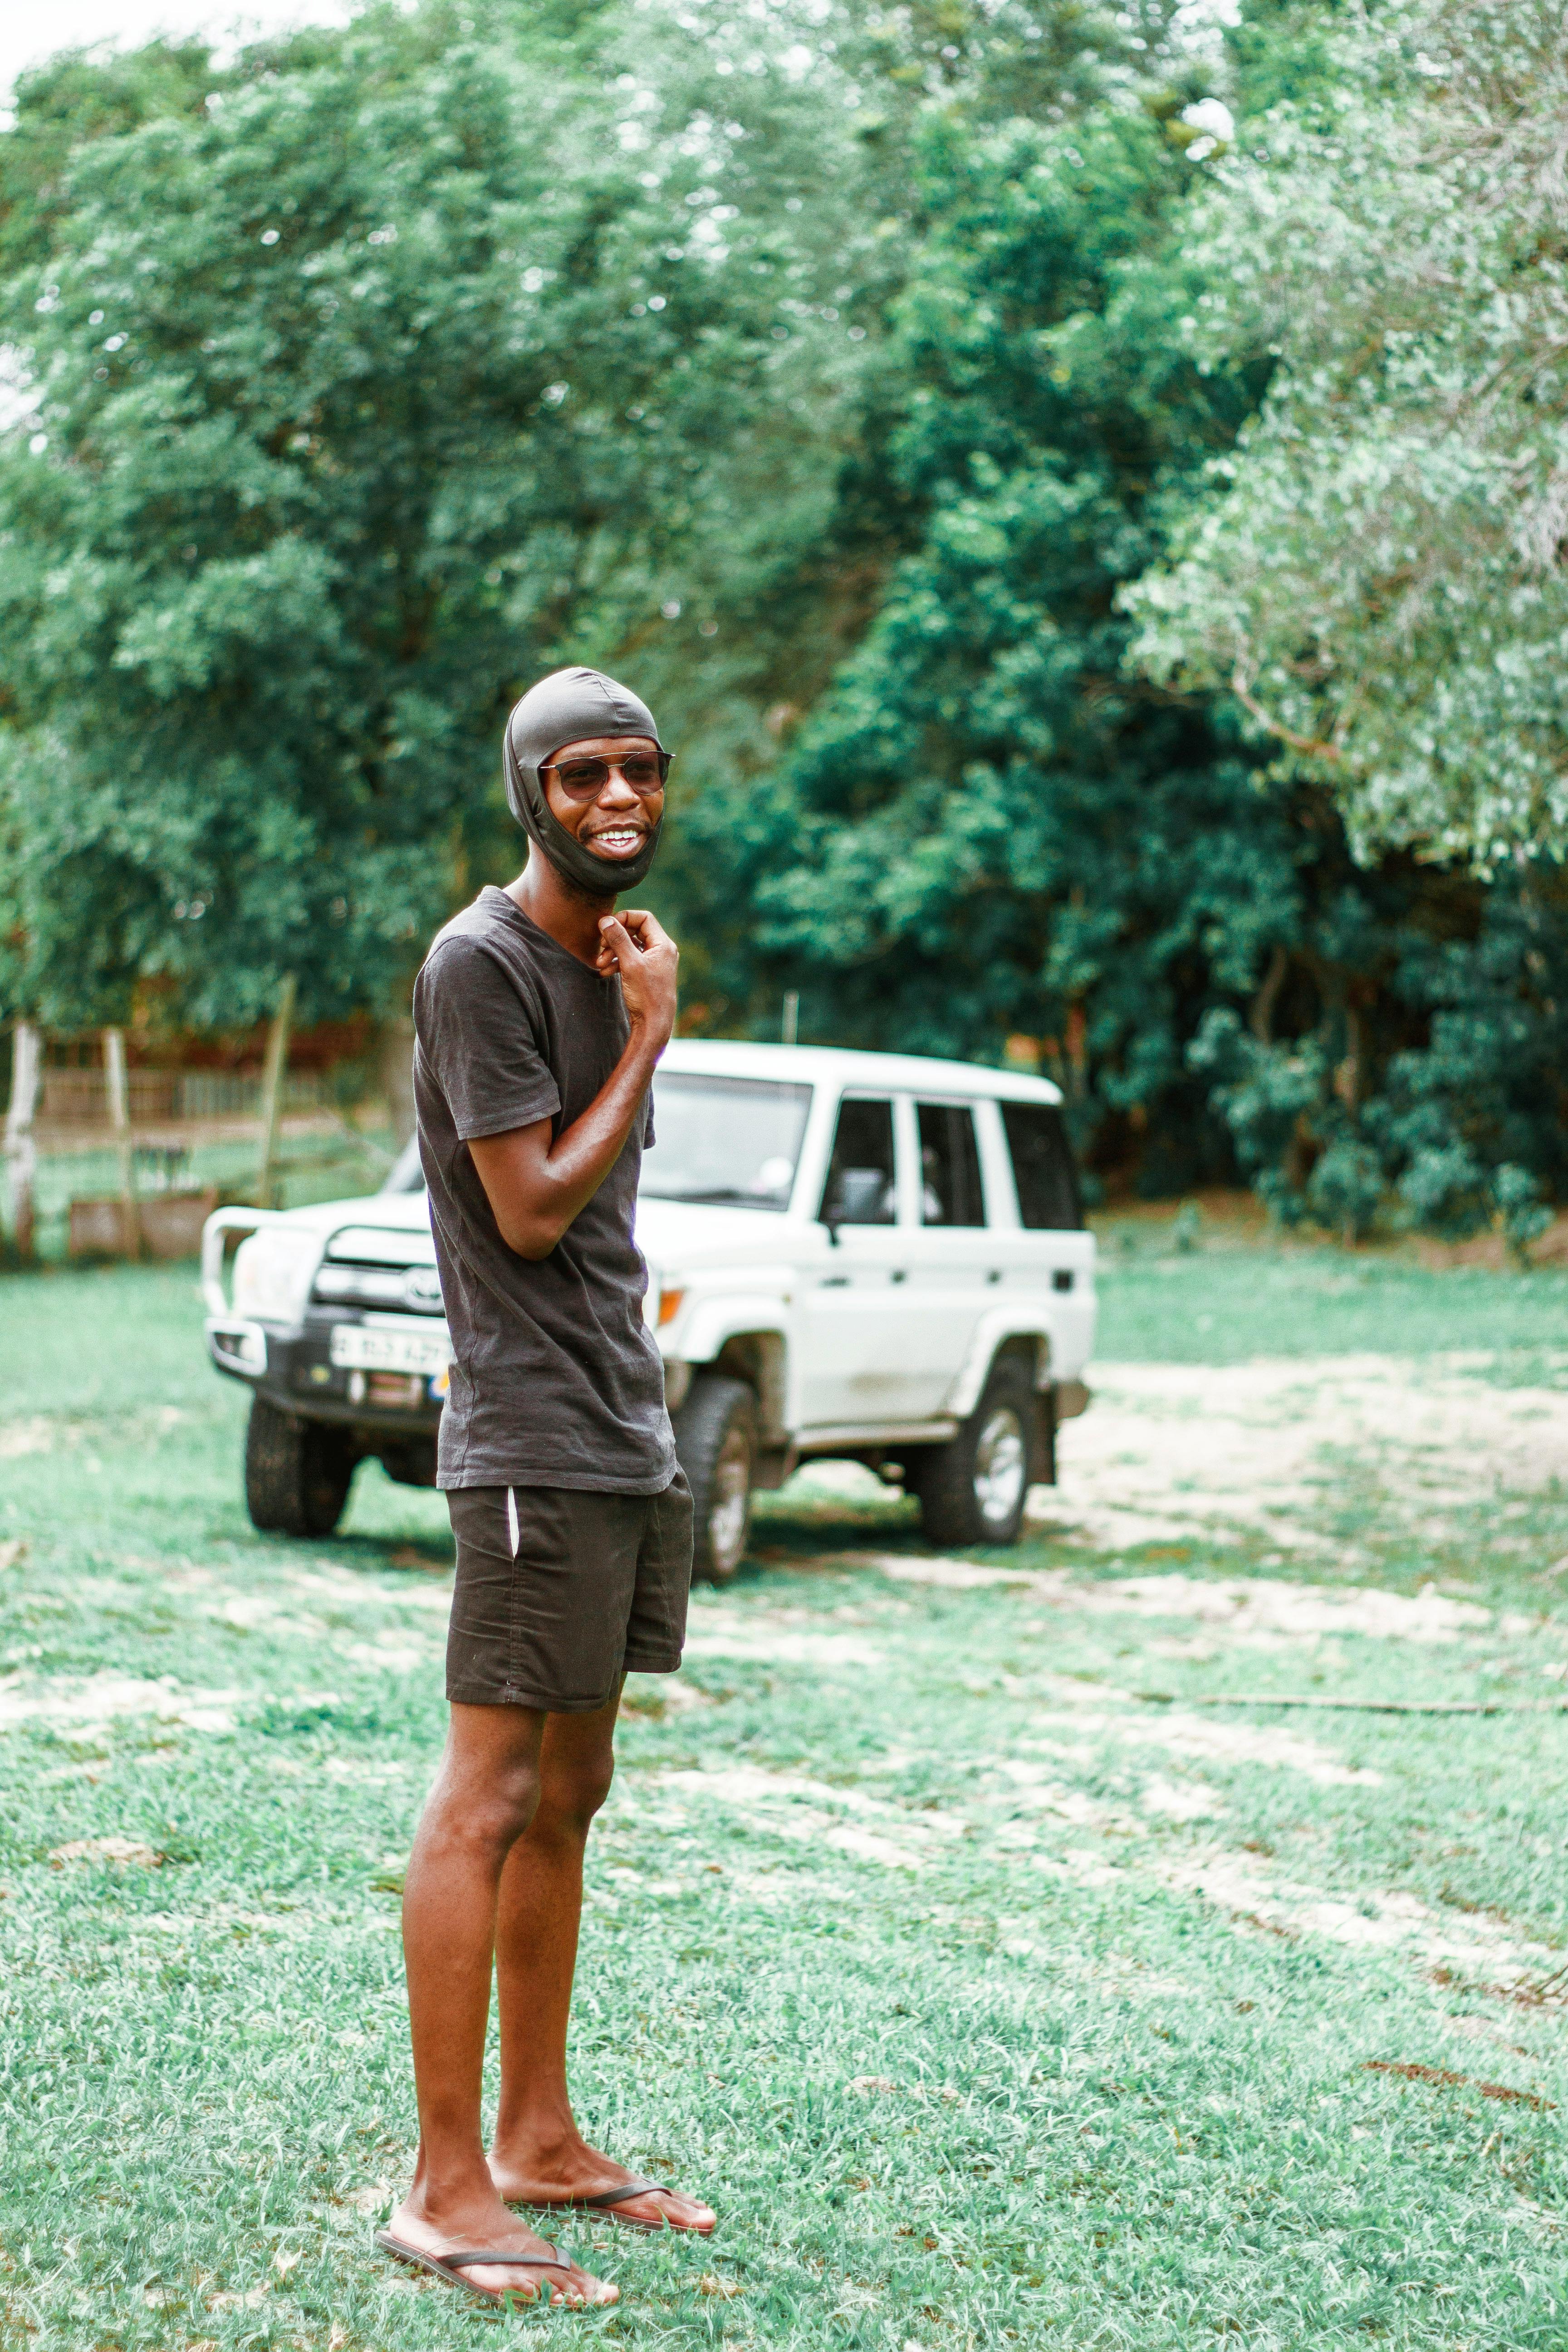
(556, 1381)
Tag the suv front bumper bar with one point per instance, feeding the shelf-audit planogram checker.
(292, 1368)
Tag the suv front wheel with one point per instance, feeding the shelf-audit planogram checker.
(716, 1441)
(971, 1491)
(297, 1474)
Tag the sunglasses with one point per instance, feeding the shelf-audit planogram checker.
(585, 779)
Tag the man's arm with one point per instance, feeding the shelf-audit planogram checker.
(535, 1187)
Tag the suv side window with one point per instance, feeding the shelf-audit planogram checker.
(861, 1188)
(1042, 1168)
(949, 1166)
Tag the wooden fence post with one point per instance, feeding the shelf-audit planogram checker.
(120, 1120)
(21, 1155)
(397, 1076)
(272, 1078)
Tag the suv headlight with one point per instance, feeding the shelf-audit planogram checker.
(273, 1272)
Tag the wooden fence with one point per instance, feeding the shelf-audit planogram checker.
(149, 1123)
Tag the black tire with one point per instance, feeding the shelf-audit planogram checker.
(716, 1441)
(411, 1465)
(971, 1491)
(297, 1474)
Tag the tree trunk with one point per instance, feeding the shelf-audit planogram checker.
(120, 1120)
(272, 1078)
(21, 1156)
(1260, 1019)
(398, 1076)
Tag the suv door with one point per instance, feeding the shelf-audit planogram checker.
(956, 1266)
(855, 1305)
(1051, 1252)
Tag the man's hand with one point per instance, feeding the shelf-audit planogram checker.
(537, 1181)
(645, 955)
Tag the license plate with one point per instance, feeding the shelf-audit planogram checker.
(357, 1346)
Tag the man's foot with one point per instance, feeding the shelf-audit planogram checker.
(574, 2176)
(484, 2221)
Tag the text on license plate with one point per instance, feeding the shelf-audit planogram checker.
(360, 1348)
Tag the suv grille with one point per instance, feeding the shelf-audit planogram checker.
(365, 1266)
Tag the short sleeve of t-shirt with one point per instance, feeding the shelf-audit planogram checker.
(479, 1041)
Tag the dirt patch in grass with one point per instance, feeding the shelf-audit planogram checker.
(1443, 2078)
(1252, 1612)
(1262, 1450)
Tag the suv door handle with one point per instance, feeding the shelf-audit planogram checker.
(834, 1282)
(900, 1273)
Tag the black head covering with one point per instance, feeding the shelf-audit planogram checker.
(568, 706)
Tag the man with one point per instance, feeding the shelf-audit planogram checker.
(539, 1016)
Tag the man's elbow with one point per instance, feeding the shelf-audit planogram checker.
(531, 1237)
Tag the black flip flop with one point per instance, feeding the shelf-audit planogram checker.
(451, 2267)
(605, 2200)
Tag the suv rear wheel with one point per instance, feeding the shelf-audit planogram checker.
(716, 1441)
(297, 1474)
(971, 1491)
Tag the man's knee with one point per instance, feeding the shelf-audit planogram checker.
(490, 1809)
(573, 1788)
(512, 1801)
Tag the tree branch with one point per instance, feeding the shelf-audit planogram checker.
(1319, 748)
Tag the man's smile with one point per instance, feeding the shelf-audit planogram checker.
(620, 837)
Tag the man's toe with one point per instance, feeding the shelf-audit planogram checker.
(576, 2291)
(584, 2289)
(676, 2212)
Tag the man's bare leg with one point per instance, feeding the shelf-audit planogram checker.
(539, 2156)
(485, 1796)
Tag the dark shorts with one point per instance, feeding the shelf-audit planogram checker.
(560, 1593)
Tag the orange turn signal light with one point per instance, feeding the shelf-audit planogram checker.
(670, 1303)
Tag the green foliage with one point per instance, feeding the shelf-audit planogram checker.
(1479, 1110)
(1520, 1213)
(64, 106)
(906, 400)
(1428, 1082)
(366, 390)
(1377, 573)
(985, 827)
(990, 825)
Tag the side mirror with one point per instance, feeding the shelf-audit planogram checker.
(857, 1196)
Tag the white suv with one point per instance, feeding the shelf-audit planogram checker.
(872, 1256)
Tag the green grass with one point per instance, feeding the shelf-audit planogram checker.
(890, 1950)
(1230, 1300)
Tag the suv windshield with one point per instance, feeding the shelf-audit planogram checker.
(729, 1140)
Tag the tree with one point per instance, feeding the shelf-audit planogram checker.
(845, 382)
(985, 827)
(1378, 574)
(372, 377)
(988, 822)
